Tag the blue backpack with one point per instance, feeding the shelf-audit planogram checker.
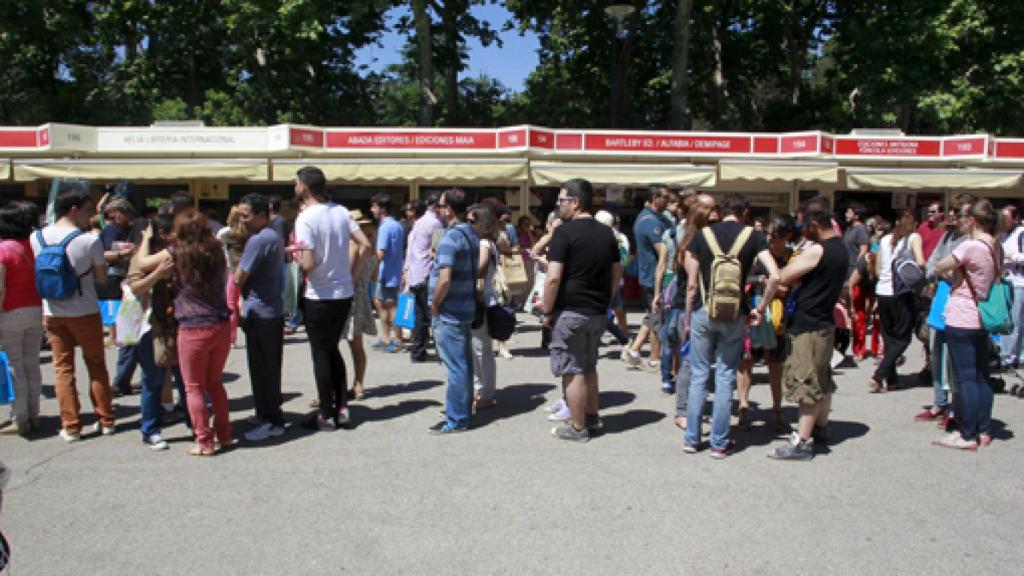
(56, 278)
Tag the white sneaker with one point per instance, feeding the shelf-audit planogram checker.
(344, 418)
(155, 442)
(68, 436)
(263, 431)
(104, 430)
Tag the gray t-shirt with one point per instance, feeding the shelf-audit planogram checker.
(86, 254)
(263, 261)
(855, 237)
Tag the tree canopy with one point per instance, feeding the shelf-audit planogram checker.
(923, 66)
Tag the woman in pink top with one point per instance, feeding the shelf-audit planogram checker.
(973, 266)
(21, 314)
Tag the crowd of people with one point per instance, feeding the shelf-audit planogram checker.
(721, 292)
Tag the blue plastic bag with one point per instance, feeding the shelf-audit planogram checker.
(937, 311)
(6, 380)
(108, 311)
(405, 313)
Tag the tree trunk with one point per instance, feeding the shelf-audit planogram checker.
(451, 72)
(719, 92)
(425, 52)
(796, 49)
(629, 45)
(679, 117)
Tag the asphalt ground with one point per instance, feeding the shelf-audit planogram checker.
(506, 498)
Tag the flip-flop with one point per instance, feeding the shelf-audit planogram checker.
(198, 450)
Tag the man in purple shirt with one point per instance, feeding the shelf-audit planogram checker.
(418, 260)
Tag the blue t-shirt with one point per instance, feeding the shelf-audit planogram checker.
(391, 239)
(459, 250)
(648, 230)
(263, 261)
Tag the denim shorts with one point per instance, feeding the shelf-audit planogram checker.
(574, 342)
(386, 294)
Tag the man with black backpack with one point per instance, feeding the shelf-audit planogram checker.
(719, 261)
(69, 265)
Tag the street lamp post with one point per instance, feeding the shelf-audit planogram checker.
(619, 13)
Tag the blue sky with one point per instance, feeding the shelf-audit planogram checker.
(510, 64)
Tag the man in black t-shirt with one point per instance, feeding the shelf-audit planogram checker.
(720, 341)
(583, 271)
(810, 337)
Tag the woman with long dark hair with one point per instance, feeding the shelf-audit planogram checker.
(897, 312)
(204, 329)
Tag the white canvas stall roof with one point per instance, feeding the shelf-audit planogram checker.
(254, 169)
(555, 173)
(408, 170)
(749, 170)
(925, 179)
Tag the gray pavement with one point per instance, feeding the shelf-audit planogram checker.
(507, 498)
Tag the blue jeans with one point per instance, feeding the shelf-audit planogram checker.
(968, 348)
(127, 360)
(938, 368)
(1010, 347)
(152, 385)
(721, 342)
(613, 328)
(455, 348)
(669, 337)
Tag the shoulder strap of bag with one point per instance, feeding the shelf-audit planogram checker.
(741, 241)
(712, 242)
(967, 277)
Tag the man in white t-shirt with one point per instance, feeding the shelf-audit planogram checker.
(1011, 346)
(75, 321)
(322, 233)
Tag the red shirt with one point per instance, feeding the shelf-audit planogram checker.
(19, 275)
(930, 237)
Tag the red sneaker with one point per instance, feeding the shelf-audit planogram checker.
(929, 415)
(720, 453)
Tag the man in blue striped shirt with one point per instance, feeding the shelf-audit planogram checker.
(452, 306)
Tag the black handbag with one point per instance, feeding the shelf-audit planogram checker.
(501, 322)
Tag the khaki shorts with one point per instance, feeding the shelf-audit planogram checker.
(807, 373)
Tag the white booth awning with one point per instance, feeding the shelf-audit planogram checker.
(748, 170)
(156, 169)
(555, 173)
(924, 179)
(407, 170)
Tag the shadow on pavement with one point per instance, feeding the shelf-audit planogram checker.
(614, 398)
(1000, 431)
(227, 377)
(247, 405)
(531, 351)
(362, 414)
(513, 401)
(630, 420)
(394, 389)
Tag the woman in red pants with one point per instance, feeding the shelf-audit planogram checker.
(204, 330)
